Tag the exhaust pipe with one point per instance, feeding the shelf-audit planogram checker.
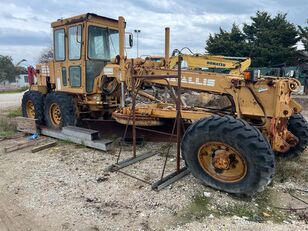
(167, 45)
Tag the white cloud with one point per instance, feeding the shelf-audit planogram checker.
(190, 21)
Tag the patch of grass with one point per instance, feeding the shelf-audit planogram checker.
(241, 210)
(292, 170)
(14, 112)
(18, 90)
(259, 209)
(200, 205)
(7, 128)
(80, 146)
(198, 209)
(265, 206)
(64, 142)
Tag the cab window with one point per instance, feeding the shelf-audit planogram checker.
(59, 41)
(74, 42)
(103, 43)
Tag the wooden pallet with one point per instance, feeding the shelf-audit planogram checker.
(23, 144)
(27, 125)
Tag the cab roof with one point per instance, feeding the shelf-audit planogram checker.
(83, 17)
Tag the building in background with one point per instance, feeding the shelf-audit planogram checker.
(22, 80)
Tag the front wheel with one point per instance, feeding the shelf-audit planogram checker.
(32, 106)
(228, 154)
(60, 110)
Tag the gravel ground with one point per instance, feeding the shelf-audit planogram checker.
(66, 188)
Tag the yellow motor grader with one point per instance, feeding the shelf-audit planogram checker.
(231, 148)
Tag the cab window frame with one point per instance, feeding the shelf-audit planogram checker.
(68, 42)
(88, 42)
(54, 44)
(70, 76)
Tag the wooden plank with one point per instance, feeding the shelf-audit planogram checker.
(23, 145)
(101, 144)
(43, 146)
(15, 136)
(27, 125)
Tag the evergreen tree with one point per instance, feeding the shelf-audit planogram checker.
(267, 40)
(303, 31)
(272, 41)
(227, 43)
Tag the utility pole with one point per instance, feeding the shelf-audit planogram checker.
(137, 32)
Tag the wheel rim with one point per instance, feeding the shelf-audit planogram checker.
(30, 109)
(55, 114)
(222, 162)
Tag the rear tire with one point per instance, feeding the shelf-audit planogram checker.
(298, 126)
(33, 106)
(60, 110)
(250, 149)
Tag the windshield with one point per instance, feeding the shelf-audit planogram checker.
(103, 43)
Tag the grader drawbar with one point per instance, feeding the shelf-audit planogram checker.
(229, 146)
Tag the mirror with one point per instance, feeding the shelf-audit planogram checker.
(130, 40)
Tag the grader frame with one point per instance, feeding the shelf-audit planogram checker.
(91, 83)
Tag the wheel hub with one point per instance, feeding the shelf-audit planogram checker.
(222, 162)
(30, 109)
(55, 114)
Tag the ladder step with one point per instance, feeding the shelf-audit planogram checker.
(82, 133)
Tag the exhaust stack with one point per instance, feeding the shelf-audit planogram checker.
(167, 45)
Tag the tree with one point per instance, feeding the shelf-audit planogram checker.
(46, 55)
(272, 41)
(303, 32)
(267, 40)
(227, 43)
(7, 69)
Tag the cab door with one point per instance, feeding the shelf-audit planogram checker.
(60, 58)
(68, 59)
(75, 68)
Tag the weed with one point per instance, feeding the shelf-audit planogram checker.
(240, 210)
(292, 170)
(259, 210)
(7, 128)
(12, 91)
(198, 209)
(64, 142)
(14, 112)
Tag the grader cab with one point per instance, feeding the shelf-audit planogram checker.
(230, 148)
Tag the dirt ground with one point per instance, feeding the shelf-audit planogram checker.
(66, 187)
(10, 100)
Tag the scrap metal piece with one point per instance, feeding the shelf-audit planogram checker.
(129, 161)
(170, 179)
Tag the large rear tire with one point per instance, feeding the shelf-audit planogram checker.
(228, 154)
(298, 126)
(33, 106)
(60, 110)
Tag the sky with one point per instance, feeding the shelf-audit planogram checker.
(25, 25)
